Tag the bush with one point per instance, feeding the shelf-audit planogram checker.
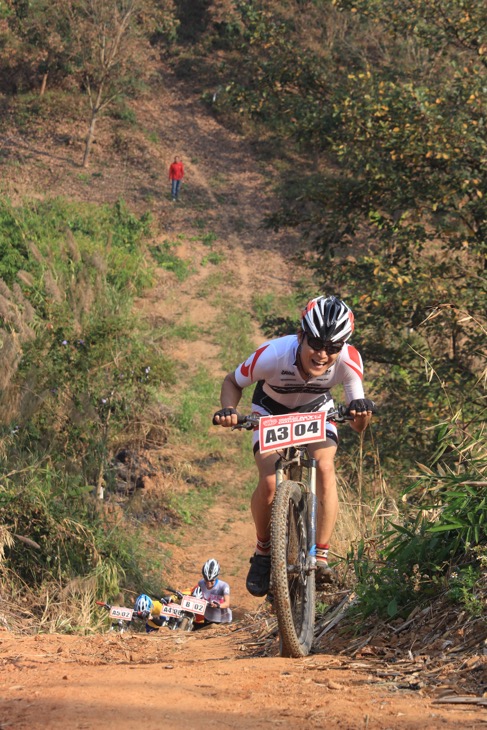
(78, 371)
(443, 535)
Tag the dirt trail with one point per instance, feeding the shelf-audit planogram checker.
(198, 681)
(214, 677)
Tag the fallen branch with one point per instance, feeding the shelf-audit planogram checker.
(461, 701)
(336, 615)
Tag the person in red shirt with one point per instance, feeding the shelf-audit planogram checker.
(176, 174)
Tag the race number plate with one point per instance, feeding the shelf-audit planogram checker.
(196, 605)
(124, 614)
(293, 429)
(172, 609)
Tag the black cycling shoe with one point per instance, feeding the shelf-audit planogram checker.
(259, 576)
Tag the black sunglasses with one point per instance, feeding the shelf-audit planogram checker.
(331, 348)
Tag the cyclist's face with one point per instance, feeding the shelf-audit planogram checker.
(316, 362)
(210, 583)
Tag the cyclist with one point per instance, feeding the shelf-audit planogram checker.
(151, 611)
(295, 373)
(216, 592)
(146, 608)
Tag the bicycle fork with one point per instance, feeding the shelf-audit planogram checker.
(312, 512)
(310, 464)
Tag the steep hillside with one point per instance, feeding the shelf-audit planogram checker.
(214, 259)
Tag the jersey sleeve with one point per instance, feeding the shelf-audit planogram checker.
(353, 374)
(259, 366)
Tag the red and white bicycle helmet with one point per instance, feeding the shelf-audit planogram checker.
(211, 569)
(328, 318)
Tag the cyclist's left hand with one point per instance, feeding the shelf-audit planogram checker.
(362, 407)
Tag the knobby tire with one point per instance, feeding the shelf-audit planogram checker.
(293, 590)
(184, 625)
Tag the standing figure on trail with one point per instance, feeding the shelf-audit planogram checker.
(216, 592)
(176, 174)
(296, 373)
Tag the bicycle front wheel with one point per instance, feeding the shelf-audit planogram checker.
(184, 624)
(293, 588)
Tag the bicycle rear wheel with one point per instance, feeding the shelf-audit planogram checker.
(293, 589)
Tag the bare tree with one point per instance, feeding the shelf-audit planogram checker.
(110, 46)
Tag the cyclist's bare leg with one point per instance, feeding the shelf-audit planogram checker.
(258, 578)
(326, 489)
(261, 502)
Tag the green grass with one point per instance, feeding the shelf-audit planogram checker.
(214, 258)
(214, 283)
(111, 233)
(234, 336)
(194, 503)
(208, 239)
(165, 256)
(270, 304)
(196, 403)
(152, 137)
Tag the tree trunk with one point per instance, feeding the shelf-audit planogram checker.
(44, 83)
(89, 138)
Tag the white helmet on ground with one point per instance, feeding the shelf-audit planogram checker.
(327, 318)
(211, 569)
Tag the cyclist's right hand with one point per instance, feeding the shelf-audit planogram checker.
(225, 417)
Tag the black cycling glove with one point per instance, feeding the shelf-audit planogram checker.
(223, 413)
(359, 405)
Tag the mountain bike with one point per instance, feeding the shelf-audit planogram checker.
(182, 615)
(186, 612)
(293, 521)
(121, 617)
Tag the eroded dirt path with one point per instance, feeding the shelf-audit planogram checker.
(198, 681)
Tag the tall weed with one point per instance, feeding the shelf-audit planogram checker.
(80, 376)
(444, 528)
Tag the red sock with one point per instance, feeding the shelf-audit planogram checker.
(263, 546)
(322, 552)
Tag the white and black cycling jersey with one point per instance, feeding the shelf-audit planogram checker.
(281, 388)
(217, 593)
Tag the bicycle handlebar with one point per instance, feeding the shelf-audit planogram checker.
(339, 414)
(175, 592)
